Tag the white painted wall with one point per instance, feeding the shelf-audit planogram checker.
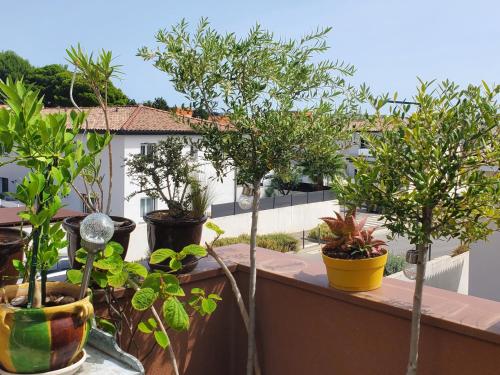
(122, 146)
(484, 280)
(446, 272)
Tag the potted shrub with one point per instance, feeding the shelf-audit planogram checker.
(43, 327)
(354, 260)
(429, 173)
(12, 242)
(167, 174)
(97, 198)
(276, 99)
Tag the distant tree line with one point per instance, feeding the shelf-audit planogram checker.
(54, 82)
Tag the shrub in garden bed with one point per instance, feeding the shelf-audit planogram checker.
(395, 263)
(281, 242)
(319, 232)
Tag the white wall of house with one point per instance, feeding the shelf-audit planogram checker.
(356, 148)
(123, 145)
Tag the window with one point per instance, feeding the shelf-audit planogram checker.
(148, 204)
(4, 185)
(147, 148)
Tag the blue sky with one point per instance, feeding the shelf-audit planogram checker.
(390, 42)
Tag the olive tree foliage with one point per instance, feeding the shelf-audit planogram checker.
(277, 99)
(280, 102)
(167, 173)
(433, 172)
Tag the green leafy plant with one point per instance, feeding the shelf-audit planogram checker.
(258, 82)
(395, 263)
(97, 73)
(319, 232)
(54, 157)
(111, 271)
(284, 187)
(158, 103)
(348, 239)
(430, 172)
(201, 197)
(166, 174)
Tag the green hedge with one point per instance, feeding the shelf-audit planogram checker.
(281, 242)
(395, 263)
(319, 232)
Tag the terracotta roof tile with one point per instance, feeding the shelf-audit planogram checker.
(133, 120)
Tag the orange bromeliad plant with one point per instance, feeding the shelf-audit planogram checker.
(348, 239)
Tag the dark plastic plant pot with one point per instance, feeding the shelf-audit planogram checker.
(165, 232)
(12, 241)
(123, 228)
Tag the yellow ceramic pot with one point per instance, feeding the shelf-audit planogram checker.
(43, 339)
(355, 275)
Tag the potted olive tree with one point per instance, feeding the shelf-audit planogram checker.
(95, 195)
(429, 173)
(168, 174)
(276, 97)
(43, 325)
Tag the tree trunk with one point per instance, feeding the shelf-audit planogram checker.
(417, 296)
(239, 300)
(253, 278)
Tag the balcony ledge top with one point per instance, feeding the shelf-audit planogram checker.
(443, 309)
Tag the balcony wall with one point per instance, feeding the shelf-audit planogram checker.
(305, 327)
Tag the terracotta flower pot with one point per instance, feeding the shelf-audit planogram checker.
(72, 226)
(355, 275)
(44, 339)
(12, 242)
(165, 232)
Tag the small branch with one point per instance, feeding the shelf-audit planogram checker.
(237, 294)
(85, 201)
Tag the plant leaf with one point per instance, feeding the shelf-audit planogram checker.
(208, 305)
(137, 269)
(143, 299)
(74, 276)
(117, 280)
(175, 315)
(214, 227)
(195, 250)
(144, 327)
(160, 255)
(162, 339)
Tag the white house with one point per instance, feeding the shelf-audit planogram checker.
(134, 129)
(358, 147)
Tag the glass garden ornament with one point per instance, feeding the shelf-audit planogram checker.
(96, 230)
(246, 198)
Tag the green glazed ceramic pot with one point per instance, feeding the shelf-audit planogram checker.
(43, 339)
